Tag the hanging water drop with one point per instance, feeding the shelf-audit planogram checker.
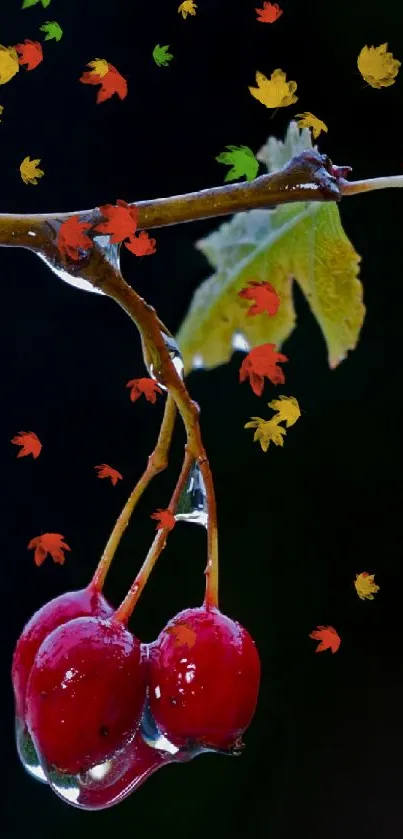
(239, 342)
(175, 356)
(27, 752)
(192, 505)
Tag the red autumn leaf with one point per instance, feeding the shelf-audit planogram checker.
(265, 297)
(149, 387)
(141, 245)
(328, 637)
(165, 519)
(183, 635)
(270, 12)
(105, 471)
(111, 83)
(29, 53)
(71, 238)
(121, 221)
(49, 543)
(30, 443)
(261, 362)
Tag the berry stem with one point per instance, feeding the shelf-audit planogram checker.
(157, 462)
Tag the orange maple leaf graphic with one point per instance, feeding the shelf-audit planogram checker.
(265, 297)
(149, 387)
(260, 362)
(110, 83)
(105, 471)
(270, 12)
(328, 637)
(141, 245)
(49, 543)
(183, 635)
(121, 221)
(165, 519)
(30, 443)
(29, 53)
(71, 238)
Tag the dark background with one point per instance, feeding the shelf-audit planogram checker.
(324, 752)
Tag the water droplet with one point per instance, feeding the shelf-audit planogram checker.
(27, 752)
(239, 342)
(176, 358)
(69, 272)
(197, 362)
(192, 505)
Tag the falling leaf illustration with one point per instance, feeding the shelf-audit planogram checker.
(161, 56)
(111, 82)
(275, 92)
(29, 170)
(287, 408)
(365, 586)
(165, 519)
(328, 637)
(53, 30)
(1, 111)
(29, 442)
(188, 7)
(9, 64)
(29, 53)
(269, 13)
(267, 431)
(308, 120)
(377, 66)
(265, 297)
(242, 160)
(121, 220)
(260, 362)
(99, 67)
(72, 239)
(149, 387)
(49, 543)
(184, 635)
(27, 3)
(105, 471)
(141, 245)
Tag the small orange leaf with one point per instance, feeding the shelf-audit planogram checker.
(165, 519)
(105, 471)
(149, 387)
(328, 637)
(29, 53)
(260, 362)
(71, 238)
(30, 443)
(49, 543)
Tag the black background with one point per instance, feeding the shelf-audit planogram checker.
(324, 752)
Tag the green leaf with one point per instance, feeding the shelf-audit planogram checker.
(27, 3)
(161, 56)
(53, 29)
(243, 161)
(304, 242)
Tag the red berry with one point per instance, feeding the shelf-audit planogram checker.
(204, 674)
(85, 693)
(72, 604)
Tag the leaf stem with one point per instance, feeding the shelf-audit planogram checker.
(355, 187)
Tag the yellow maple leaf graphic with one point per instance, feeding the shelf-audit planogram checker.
(287, 408)
(365, 586)
(308, 120)
(377, 66)
(9, 65)
(188, 7)
(29, 170)
(99, 66)
(275, 92)
(267, 431)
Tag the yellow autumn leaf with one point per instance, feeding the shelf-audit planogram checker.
(9, 65)
(308, 120)
(267, 431)
(365, 586)
(188, 7)
(287, 408)
(377, 66)
(275, 92)
(1, 110)
(99, 66)
(30, 171)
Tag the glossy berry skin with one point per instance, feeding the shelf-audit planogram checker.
(72, 604)
(85, 693)
(204, 674)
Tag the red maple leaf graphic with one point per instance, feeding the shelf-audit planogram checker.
(165, 519)
(30, 443)
(141, 245)
(111, 83)
(260, 362)
(121, 220)
(29, 53)
(71, 238)
(149, 387)
(184, 635)
(105, 471)
(49, 543)
(328, 637)
(270, 12)
(265, 296)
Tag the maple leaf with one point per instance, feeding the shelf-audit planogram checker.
(287, 408)
(269, 13)
(29, 170)
(165, 519)
(303, 243)
(9, 65)
(242, 160)
(121, 221)
(141, 245)
(53, 30)
(275, 92)
(111, 82)
(49, 543)
(188, 7)
(27, 3)
(149, 387)
(365, 586)
(161, 56)
(71, 238)
(105, 471)
(262, 361)
(183, 635)
(267, 431)
(265, 296)
(30, 443)
(377, 66)
(328, 637)
(29, 53)
(308, 120)
(100, 67)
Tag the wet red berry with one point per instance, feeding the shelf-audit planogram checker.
(85, 693)
(204, 674)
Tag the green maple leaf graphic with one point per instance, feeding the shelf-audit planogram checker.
(161, 56)
(53, 29)
(242, 160)
(27, 3)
